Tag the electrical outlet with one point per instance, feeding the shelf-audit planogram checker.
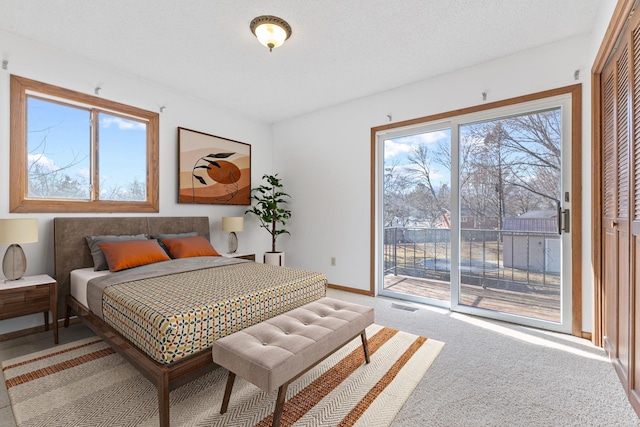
(333, 261)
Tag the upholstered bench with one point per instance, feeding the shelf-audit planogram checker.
(273, 353)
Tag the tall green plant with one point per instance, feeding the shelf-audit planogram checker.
(269, 207)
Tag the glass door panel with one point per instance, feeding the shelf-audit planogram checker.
(510, 193)
(417, 216)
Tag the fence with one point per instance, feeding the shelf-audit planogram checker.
(503, 259)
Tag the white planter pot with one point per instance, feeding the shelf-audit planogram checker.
(274, 258)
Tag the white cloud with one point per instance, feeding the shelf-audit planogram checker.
(392, 148)
(43, 161)
(122, 124)
(431, 137)
(83, 172)
(406, 144)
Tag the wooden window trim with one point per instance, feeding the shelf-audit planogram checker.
(19, 203)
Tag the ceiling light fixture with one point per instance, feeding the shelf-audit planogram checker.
(270, 30)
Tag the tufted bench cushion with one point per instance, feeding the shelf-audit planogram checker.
(272, 353)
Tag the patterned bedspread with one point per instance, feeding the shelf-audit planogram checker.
(173, 316)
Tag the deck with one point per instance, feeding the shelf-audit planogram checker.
(536, 302)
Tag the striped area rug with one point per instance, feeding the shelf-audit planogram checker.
(85, 383)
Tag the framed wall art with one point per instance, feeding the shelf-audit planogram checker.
(212, 169)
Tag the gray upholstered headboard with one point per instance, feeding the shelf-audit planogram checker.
(71, 251)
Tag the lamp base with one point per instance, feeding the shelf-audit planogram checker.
(233, 242)
(14, 263)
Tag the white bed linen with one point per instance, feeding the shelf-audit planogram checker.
(79, 280)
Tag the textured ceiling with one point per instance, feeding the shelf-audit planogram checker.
(340, 49)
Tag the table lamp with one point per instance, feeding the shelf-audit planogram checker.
(13, 232)
(232, 224)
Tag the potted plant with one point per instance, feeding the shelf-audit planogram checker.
(270, 210)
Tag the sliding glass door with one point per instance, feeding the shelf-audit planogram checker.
(510, 194)
(474, 213)
(417, 214)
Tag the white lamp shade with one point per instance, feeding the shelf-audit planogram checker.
(18, 230)
(232, 223)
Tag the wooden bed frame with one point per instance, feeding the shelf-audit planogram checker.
(72, 252)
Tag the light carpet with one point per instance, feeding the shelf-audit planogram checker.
(85, 383)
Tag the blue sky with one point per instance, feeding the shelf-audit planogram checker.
(60, 135)
(399, 149)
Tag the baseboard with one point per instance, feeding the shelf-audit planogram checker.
(353, 290)
(586, 335)
(35, 330)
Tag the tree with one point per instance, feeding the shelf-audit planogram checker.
(520, 157)
(507, 167)
(46, 183)
(134, 190)
(396, 191)
(422, 173)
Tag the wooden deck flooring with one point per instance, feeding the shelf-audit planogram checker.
(535, 303)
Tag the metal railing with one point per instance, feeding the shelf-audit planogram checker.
(489, 258)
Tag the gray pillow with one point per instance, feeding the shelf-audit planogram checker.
(99, 261)
(161, 237)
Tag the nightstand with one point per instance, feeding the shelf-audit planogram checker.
(30, 295)
(250, 257)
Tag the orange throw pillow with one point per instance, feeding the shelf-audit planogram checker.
(187, 247)
(133, 253)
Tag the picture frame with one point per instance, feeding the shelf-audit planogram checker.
(212, 169)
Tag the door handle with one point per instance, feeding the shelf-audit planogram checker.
(567, 221)
(564, 219)
(559, 216)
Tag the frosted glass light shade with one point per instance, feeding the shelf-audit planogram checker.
(270, 30)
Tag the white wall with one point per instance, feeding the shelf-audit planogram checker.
(324, 157)
(39, 62)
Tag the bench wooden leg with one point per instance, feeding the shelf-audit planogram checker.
(365, 346)
(227, 392)
(277, 414)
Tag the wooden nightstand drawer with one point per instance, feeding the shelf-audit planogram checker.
(23, 301)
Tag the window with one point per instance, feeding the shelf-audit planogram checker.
(72, 152)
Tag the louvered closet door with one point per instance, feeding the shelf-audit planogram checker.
(620, 124)
(616, 106)
(634, 386)
(622, 222)
(609, 250)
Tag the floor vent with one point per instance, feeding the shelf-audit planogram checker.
(403, 307)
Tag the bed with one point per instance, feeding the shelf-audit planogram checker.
(163, 320)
